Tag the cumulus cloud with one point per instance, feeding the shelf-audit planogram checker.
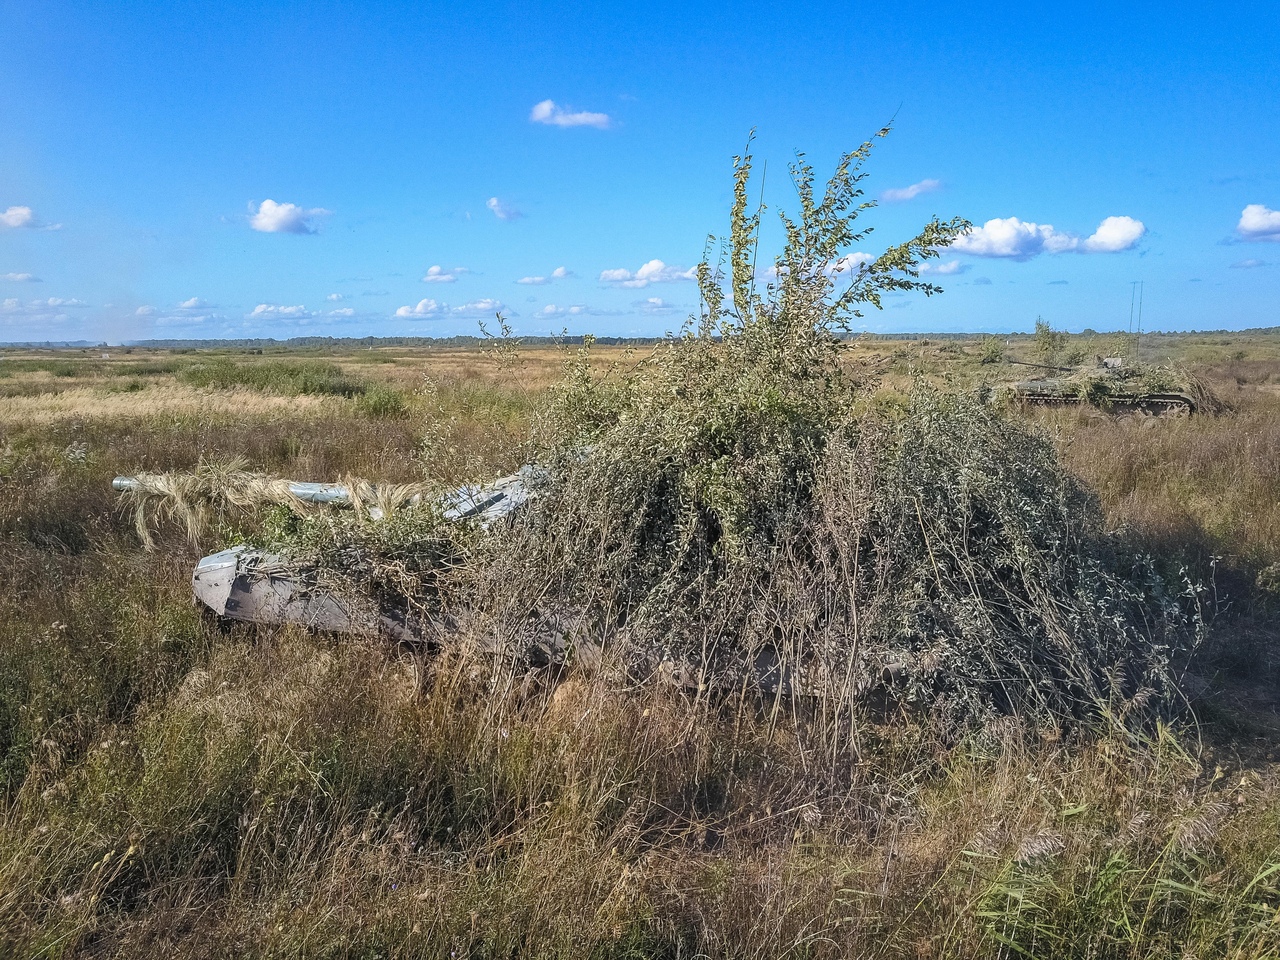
(438, 274)
(1113, 235)
(1250, 264)
(426, 307)
(58, 302)
(269, 311)
(195, 303)
(144, 311)
(342, 312)
(1016, 239)
(431, 309)
(335, 297)
(901, 194)
(655, 271)
(272, 217)
(15, 217)
(19, 278)
(559, 273)
(503, 211)
(550, 113)
(1258, 222)
(18, 217)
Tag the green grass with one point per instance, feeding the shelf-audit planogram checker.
(287, 377)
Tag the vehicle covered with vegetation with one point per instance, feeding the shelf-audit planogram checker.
(1113, 385)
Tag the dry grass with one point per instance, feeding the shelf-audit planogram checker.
(170, 790)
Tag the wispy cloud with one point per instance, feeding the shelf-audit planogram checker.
(654, 305)
(559, 273)
(272, 217)
(548, 112)
(1259, 222)
(16, 217)
(19, 277)
(576, 310)
(484, 307)
(950, 268)
(1016, 239)
(655, 271)
(501, 210)
(342, 312)
(902, 194)
(438, 274)
(1250, 264)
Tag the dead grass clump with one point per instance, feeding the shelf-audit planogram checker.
(213, 491)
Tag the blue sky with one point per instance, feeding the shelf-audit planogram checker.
(270, 169)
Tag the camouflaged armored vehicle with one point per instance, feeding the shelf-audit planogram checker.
(1112, 385)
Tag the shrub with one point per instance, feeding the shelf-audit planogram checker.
(382, 403)
(740, 504)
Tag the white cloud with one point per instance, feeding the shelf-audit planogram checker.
(549, 113)
(1250, 264)
(577, 310)
(37, 312)
(654, 305)
(1113, 235)
(265, 311)
(15, 217)
(901, 194)
(655, 271)
(434, 308)
(342, 312)
(426, 307)
(478, 308)
(1258, 222)
(19, 278)
(335, 297)
(18, 217)
(943, 269)
(1016, 239)
(438, 274)
(272, 217)
(850, 262)
(559, 273)
(501, 210)
(144, 311)
(195, 303)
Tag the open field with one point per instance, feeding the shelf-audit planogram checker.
(171, 789)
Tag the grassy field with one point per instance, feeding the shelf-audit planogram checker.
(170, 788)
